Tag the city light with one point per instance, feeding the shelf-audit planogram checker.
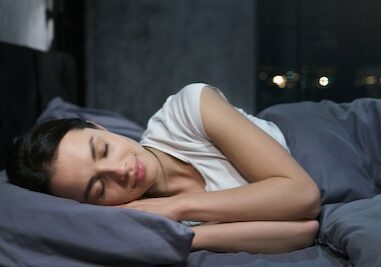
(370, 80)
(280, 81)
(323, 81)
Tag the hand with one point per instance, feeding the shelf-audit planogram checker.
(165, 206)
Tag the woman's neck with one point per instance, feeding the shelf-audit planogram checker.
(178, 177)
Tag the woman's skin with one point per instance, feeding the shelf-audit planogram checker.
(274, 213)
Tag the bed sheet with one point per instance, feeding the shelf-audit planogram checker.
(316, 256)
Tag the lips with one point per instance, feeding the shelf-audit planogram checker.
(139, 172)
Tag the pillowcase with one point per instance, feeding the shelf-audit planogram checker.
(114, 122)
(339, 145)
(42, 230)
(353, 229)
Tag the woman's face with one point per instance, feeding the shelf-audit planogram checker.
(99, 167)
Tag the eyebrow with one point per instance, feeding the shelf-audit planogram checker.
(92, 147)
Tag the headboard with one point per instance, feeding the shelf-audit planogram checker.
(29, 79)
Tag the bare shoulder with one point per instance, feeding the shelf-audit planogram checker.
(212, 105)
(252, 151)
(211, 93)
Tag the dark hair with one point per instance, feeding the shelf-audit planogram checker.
(30, 160)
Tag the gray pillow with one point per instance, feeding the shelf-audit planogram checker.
(354, 230)
(42, 230)
(115, 122)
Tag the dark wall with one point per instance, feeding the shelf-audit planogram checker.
(141, 51)
(29, 79)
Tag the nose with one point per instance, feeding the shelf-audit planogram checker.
(118, 171)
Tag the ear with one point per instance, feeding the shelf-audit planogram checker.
(97, 125)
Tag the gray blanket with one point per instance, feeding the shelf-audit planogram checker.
(338, 144)
(340, 147)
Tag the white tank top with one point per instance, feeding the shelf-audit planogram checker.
(177, 130)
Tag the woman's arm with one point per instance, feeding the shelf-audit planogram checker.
(255, 237)
(279, 188)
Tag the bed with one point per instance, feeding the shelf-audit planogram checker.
(338, 144)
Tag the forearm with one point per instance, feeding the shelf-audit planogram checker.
(270, 199)
(255, 237)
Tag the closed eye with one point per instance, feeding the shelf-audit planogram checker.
(105, 152)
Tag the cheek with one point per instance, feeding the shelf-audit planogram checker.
(117, 195)
(66, 188)
(67, 182)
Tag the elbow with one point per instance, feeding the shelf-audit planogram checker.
(312, 201)
(306, 200)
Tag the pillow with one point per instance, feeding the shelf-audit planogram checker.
(337, 144)
(353, 229)
(114, 122)
(42, 230)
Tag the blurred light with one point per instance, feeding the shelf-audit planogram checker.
(280, 81)
(290, 74)
(371, 80)
(323, 81)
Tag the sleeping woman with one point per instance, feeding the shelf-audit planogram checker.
(201, 161)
